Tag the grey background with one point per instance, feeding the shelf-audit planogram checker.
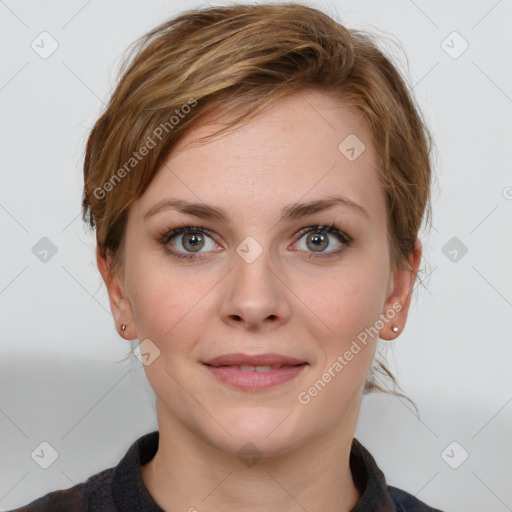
(60, 376)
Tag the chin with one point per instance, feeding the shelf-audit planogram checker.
(260, 429)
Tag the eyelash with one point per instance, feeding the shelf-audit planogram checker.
(171, 231)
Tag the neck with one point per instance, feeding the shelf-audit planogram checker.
(189, 474)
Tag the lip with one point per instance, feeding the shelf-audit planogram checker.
(227, 369)
(240, 359)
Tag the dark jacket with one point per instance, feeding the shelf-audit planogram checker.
(121, 488)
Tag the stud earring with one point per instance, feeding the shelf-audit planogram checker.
(123, 328)
(395, 328)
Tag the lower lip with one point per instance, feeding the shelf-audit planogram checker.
(255, 381)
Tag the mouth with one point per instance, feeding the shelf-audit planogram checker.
(239, 359)
(258, 368)
(256, 372)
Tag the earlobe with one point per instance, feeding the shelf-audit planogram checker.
(400, 293)
(124, 320)
(119, 305)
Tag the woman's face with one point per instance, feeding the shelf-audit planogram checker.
(258, 282)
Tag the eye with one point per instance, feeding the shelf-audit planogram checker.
(318, 238)
(191, 239)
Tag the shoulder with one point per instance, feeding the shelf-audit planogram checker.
(405, 502)
(120, 485)
(57, 501)
(93, 495)
(376, 494)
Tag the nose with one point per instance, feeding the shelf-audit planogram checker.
(254, 295)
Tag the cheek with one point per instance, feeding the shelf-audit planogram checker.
(340, 307)
(346, 308)
(168, 305)
(346, 311)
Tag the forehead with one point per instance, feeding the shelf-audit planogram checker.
(303, 147)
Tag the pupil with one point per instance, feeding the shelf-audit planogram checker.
(318, 240)
(193, 240)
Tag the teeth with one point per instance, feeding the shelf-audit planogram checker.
(255, 368)
(263, 368)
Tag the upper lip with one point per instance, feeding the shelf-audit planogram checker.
(239, 359)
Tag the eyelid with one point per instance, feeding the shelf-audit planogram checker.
(328, 228)
(172, 231)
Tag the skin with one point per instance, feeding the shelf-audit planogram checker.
(283, 302)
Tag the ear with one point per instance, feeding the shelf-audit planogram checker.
(119, 304)
(400, 289)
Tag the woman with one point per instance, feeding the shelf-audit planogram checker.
(257, 184)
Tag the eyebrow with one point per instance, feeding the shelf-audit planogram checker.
(291, 212)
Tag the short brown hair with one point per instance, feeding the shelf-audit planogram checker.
(217, 59)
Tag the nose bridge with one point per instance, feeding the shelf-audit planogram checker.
(254, 290)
